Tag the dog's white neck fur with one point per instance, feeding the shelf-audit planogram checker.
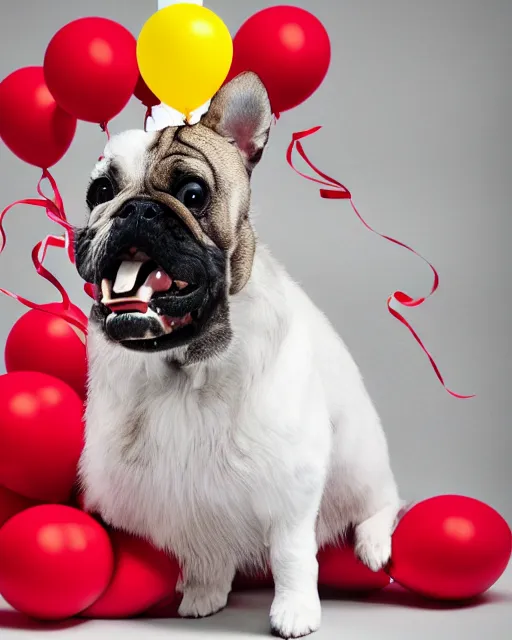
(257, 456)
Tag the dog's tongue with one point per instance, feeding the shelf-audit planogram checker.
(137, 289)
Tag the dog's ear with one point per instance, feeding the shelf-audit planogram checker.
(240, 112)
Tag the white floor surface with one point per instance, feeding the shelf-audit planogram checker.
(390, 615)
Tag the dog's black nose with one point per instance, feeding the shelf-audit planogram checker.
(140, 208)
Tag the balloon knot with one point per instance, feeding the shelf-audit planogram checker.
(104, 128)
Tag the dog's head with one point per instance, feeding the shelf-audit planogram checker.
(169, 238)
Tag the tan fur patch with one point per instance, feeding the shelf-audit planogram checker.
(221, 150)
(199, 151)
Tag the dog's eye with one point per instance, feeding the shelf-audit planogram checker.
(193, 194)
(100, 191)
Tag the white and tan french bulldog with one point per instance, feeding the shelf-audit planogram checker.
(226, 421)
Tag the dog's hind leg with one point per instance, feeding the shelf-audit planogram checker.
(361, 493)
(206, 589)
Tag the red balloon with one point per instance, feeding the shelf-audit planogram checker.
(167, 608)
(41, 435)
(144, 94)
(261, 580)
(32, 124)
(91, 68)
(11, 503)
(143, 577)
(46, 343)
(339, 568)
(55, 561)
(288, 48)
(450, 548)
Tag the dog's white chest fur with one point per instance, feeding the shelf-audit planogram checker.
(200, 457)
(217, 461)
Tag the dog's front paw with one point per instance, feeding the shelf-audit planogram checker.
(295, 615)
(373, 542)
(374, 552)
(200, 601)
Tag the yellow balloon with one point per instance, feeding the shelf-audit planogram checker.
(184, 53)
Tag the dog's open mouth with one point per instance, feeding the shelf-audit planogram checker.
(141, 288)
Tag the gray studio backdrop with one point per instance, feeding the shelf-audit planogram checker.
(416, 113)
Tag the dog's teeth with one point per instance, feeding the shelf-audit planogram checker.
(180, 284)
(127, 276)
(105, 289)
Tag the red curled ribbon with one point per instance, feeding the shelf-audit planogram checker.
(337, 191)
(38, 257)
(55, 211)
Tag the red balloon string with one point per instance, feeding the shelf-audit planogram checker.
(148, 114)
(54, 210)
(38, 257)
(105, 129)
(336, 190)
